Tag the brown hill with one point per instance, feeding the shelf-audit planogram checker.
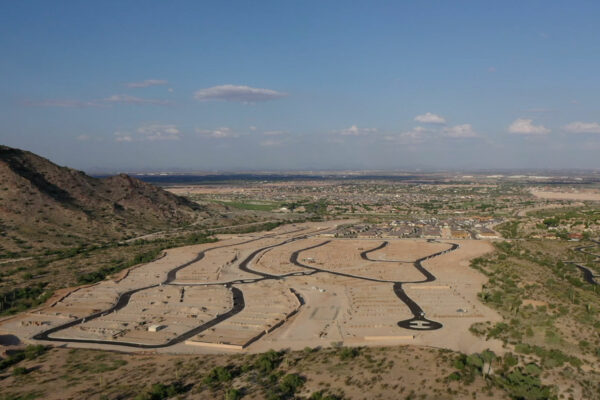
(46, 206)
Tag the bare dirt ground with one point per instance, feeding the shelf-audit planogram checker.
(359, 312)
(392, 373)
(289, 288)
(577, 195)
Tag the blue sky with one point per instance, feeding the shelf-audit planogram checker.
(288, 85)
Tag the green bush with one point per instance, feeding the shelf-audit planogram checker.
(533, 369)
(510, 360)
(20, 299)
(475, 360)
(268, 361)
(17, 371)
(160, 391)
(521, 385)
(233, 394)
(455, 376)
(30, 352)
(290, 384)
(322, 396)
(460, 362)
(349, 352)
(34, 351)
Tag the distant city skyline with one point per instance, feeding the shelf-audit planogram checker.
(284, 86)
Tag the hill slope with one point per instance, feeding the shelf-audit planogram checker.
(46, 206)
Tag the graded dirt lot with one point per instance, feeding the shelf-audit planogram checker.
(293, 287)
(576, 195)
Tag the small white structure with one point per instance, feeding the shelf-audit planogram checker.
(156, 328)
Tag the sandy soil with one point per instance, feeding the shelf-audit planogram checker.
(458, 306)
(578, 195)
(349, 300)
(365, 313)
(389, 373)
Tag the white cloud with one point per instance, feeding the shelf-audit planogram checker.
(219, 133)
(63, 103)
(355, 131)
(524, 126)
(274, 133)
(124, 98)
(83, 138)
(429, 118)
(150, 132)
(539, 110)
(253, 128)
(106, 102)
(420, 134)
(158, 132)
(460, 131)
(123, 137)
(416, 135)
(582, 127)
(270, 143)
(146, 83)
(243, 94)
(420, 129)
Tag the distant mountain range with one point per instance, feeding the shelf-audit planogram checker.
(46, 206)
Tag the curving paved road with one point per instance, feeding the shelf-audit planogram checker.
(588, 274)
(238, 305)
(418, 322)
(123, 301)
(365, 254)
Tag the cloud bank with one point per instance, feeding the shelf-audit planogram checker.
(523, 126)
(355, 131)
(460, 131)
(146, 83)
(124, 98)
(219, 133)
(429, 118)
(241, 94)
(150, 132)
(582, 127)
(63, 103)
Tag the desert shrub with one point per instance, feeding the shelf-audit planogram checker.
(349, 352)
(290, 384)
(510, 360)
(20, 299)
(233, 394)
(324, 396)
(34, 351)
(268, 361)
(30, 352)
(218, 375)
(522, 385)
(160, 391)
(455, 376)
(475, 360)
(17, 371)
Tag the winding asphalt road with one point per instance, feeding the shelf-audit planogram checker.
(238, 305)
(588, 274)
(418, 322)
(124, 298)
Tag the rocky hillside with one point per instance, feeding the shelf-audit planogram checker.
(46, 206)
